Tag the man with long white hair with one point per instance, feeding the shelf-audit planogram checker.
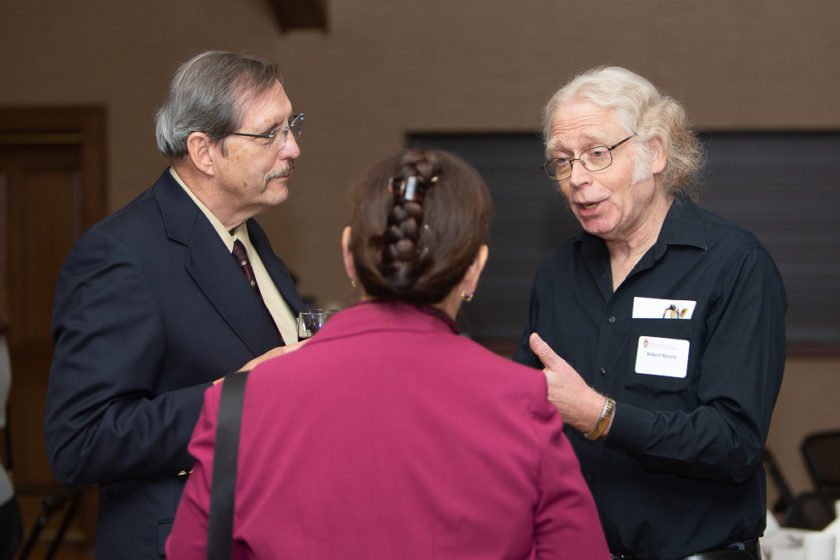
(660, 326)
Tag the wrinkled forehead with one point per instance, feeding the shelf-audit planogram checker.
(579, 124)
(264, 107)
(559, 143)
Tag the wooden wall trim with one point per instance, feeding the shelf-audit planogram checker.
(89, 123)
(300, 14)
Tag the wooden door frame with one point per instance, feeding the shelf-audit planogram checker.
(81, 125)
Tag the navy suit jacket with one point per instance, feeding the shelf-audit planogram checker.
(149, 309)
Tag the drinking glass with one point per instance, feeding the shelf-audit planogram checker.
(309, 322)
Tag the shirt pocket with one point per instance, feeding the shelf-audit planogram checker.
(657, 385)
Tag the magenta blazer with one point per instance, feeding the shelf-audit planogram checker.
(390, 436)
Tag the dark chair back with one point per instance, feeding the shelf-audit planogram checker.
(812, 510)
(785, 498)
(821, 452)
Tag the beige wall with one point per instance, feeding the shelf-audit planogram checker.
(387, 67)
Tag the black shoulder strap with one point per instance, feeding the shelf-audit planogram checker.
(225, 451)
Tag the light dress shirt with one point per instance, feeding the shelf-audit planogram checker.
(277, 306)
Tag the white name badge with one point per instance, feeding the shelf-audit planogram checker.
(657, 308)
(667, 357)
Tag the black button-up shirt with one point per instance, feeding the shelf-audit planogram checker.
(680, 471)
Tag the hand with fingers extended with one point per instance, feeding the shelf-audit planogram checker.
(580, 405)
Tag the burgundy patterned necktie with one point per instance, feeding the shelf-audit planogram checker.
(241, 256)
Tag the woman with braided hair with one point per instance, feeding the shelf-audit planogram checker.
(388, 435)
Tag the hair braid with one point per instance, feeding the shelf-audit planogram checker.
(418, 219)
(404, 255)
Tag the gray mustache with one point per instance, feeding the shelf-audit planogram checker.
(285, 171)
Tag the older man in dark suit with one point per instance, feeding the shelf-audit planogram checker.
(151, 307)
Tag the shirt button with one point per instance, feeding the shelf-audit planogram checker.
(611, 320)
(603, 371)
(588, 477)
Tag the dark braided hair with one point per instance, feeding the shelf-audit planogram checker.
(418, 221)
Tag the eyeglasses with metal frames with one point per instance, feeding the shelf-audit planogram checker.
(295, 126)
(596, 158)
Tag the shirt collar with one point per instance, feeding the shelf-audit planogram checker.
(371, 315)
(228, 237)
(682, 226)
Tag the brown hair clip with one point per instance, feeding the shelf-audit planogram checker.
(408, 189)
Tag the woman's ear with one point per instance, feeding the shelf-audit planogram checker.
(470, 281)
(199, 152)
(347, 256)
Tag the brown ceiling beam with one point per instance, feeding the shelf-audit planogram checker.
(300, 14)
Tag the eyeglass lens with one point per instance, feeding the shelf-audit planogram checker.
(295, 126)
(593, 159)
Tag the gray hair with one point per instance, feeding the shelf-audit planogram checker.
(644, 111)
(206, 96)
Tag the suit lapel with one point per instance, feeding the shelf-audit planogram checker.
(222, 281)
(213, 268)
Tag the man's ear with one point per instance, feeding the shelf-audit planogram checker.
(199, 150)
(347, 256)
(657, 164)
